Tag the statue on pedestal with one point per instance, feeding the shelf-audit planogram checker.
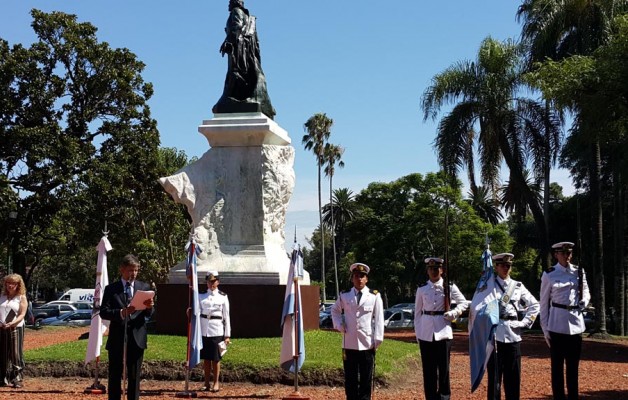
(245, 84)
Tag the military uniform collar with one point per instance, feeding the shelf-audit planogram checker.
(438, 283)
(506, 281)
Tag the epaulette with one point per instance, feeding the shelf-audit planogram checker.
(222, 293)
(518, 284)
(346, 291)
(550, 269)
(373, 291)
(422, 284)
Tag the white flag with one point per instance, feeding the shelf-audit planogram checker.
(98, 326)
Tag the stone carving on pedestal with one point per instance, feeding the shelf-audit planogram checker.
(237, 194)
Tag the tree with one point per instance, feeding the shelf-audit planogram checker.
(318, 128)
(485, 95)
(559, 29)
(78, 146)
(343, 210)
(484, 205)
(333, 155)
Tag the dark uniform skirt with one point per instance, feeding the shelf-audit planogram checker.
(210, 350)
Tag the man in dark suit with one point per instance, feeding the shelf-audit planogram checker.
(115, 308)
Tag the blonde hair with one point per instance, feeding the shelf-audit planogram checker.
(17, 278)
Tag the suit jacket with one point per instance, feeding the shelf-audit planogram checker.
(113, 301)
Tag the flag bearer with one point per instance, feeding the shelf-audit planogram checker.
(432, 326)
(514, 300)
(359, 315)
(564, 295)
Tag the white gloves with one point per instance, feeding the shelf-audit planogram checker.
(581, 305)
(515, 324)
(450, 315)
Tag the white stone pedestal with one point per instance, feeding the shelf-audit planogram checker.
(237, 194)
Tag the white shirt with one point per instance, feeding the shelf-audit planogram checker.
(431, 297)
(361, 324)
(6, 306)
(215, 304)
(560, 285)
(522, 300)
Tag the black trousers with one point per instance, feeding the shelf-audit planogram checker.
(358, 366)
(565, 351)
(134, 358)
(508, 368)
(435, 361)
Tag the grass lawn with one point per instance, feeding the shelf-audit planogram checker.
(322, 353)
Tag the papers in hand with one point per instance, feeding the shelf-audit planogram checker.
(222, 348)
(139, 297)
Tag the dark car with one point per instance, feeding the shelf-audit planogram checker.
(53, 310)
(74, 318)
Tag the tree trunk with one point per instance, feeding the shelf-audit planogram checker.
(322, 228)
(333, 235)
(547, 164)
(618, 228)
(597, 227)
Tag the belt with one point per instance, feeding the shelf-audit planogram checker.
(509, 318)
(433, 312)
(210, 317)
(564, 307)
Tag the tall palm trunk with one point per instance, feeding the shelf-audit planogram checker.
(618, 244)
(320, 219)
(547, 162)
(595, 172)
(333, 236)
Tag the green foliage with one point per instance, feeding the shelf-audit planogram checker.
(79, 148)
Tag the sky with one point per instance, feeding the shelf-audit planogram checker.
(365, 63)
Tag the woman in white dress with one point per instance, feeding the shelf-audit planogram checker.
(13, 306)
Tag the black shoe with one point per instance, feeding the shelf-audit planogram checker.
(17, 385)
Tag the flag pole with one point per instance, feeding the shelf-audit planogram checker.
(187, 393)
(97, 387)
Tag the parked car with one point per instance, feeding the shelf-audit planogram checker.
(398, 319)
(79, 305)
(402, 306)
(53, 310)
(325, 321)
(74, 318)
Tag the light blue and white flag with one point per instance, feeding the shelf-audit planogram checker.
(292, 343)
(483, 319)
(195, 342)
(98, 326)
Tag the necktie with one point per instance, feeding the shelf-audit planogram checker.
(127, 292)
(358, 296)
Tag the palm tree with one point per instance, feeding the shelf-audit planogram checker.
(512, 202)
(484, 93)
(333, 155)
(318, 128)
(343, 210)
(558, 29)
(484, 204)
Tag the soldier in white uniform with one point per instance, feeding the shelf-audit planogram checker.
(514, 299)
(432, 326)
(359, 315)
(564, 295)
(215, 328)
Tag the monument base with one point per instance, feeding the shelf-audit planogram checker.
(255, 310)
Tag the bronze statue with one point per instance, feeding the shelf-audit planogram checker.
(245, 84)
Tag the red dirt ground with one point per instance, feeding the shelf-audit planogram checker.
(603, 375)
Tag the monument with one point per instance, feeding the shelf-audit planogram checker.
(237, 194)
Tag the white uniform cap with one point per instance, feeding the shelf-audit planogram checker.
(562, 246)
(431, 261)
(359, 267)
(212, 276)
(503, 258)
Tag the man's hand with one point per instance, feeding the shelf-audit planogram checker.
(547, 339)
(450, 315)
(149, 303)
(127, 311)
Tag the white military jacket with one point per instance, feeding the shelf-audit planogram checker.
(431, 297)
(362, 324)
(559, 286)
(521, 299)
(215, 319)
